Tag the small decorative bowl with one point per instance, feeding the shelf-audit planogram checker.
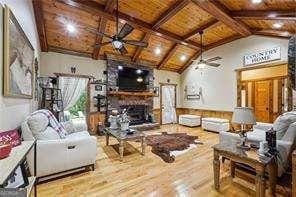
(5, 150)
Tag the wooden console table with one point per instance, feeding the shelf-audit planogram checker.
(250, 158)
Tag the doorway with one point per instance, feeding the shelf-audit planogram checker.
(266, 89)
(168, 103)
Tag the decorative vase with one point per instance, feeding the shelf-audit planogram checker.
(124, 126)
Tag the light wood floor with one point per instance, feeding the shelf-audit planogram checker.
(190, 175)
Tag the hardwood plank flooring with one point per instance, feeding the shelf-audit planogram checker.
(190, 175)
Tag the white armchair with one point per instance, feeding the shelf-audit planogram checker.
(77, 150)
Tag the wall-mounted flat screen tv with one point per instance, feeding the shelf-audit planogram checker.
(132, 79)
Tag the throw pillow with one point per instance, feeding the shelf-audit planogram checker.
(290, 135)
(38, 123)
(282, 123)
(48, 134)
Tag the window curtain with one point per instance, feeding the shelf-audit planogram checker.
(71, 89)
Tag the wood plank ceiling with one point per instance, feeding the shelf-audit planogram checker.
(170, 27)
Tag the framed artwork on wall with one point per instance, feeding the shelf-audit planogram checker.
(18, 59)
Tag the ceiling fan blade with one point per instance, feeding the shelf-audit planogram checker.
(99, 33)
(136, 43)
(213, 64)
(125, 30)
(214, 59)
(122, 50)
(101, 44)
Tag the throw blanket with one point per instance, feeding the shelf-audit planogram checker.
(53, 122)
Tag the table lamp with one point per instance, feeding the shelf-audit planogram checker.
(243, 116)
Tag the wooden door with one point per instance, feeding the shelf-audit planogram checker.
(263, 101)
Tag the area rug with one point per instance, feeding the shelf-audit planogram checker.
(168, 146)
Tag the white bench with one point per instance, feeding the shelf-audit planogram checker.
(189, 120)
(215, 124)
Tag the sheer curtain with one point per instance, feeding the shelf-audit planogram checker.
(71, 88)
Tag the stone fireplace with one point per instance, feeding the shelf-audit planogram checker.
(139, 105)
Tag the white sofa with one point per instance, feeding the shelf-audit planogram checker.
(77, 150)
(285, 145)
(189, 120)
(215, 124)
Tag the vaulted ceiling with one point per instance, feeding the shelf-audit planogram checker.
(169, 26)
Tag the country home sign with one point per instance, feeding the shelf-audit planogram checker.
(263, 56)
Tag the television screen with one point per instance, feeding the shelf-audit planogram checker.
(131, 79)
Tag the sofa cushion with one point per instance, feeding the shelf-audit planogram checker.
(48, 134)
(78, 135)
(69, 126)
(283, 122)
(37, 123)
(290, 135)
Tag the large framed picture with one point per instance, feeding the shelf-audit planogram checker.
(18, 59)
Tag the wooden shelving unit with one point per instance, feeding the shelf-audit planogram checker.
(123, 93)
(9, 165)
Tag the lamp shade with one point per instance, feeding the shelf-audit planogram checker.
(243, 115)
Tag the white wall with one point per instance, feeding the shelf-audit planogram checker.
(14, 110)
(219, 84)
(162, 76)
(61, 63)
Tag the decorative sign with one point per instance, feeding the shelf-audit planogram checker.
(263, 56)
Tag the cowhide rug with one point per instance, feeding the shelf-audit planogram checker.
(166, 146)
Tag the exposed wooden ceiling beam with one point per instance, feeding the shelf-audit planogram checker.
(189, 62)
(223, 41)
(168, 14)
(39, 19)
(168, 56)
(69, 52)
(109, 7)
(202, 28)
(273, 33)
(265, 14)
(219, 11)
(97, 9)
(140, 49)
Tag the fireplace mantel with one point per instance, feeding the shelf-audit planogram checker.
(124, 93)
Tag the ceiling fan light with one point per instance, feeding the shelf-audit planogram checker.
(117, 44)
(201, 65)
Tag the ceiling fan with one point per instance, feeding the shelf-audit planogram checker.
(209, 62)
(117, 40)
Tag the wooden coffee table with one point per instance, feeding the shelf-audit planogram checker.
(122, 137)
(250, 158)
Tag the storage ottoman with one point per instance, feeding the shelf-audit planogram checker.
(215, 124)
(189, 120)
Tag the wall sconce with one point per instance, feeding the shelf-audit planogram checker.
(73, 70)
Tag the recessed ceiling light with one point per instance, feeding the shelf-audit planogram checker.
(71, 28)
(256, 1)
(139, 71)
(139, 79)
(183, 58)
(157, 51)
(120, 67)
(277, 25)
